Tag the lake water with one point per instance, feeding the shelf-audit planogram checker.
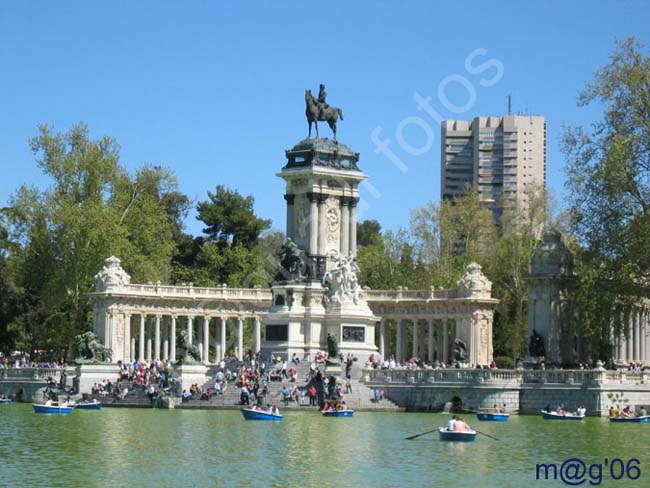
(143, 447)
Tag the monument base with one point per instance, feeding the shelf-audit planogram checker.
(89, 374)
(188, 374)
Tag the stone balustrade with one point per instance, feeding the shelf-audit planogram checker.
(187, 291)
(504, 376)
(22, 374)
(388, 295)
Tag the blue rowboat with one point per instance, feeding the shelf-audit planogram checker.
(494, 417)
(250, 414)
(634, 420)
(4, 401)
(42, 408)
(338, 413)
(450, 435)
(88, 406)
(558, 416)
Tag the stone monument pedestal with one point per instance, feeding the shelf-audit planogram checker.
(89, 374)
(188, 374)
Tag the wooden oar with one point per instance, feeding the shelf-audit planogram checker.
(487, 435)
(423, 433)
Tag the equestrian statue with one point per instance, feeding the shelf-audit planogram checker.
(318, 109)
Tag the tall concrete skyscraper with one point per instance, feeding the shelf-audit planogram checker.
(501, 156)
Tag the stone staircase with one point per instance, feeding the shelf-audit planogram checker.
(361, 397)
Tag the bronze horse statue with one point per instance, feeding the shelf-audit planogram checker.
(316, 111)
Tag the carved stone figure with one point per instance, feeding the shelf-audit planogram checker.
(341, 283)
(474, 282)
(461, 352)
(319, 110)
(536, 346)
(111, 275)
(186, 353)
(90, 350)
(293, 262)
(551, 257)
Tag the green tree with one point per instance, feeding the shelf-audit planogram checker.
(368, 233)
(230, 220)
(608, 169)
(91, 210)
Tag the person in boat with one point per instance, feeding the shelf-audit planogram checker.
(276, 410)
(547, 408)
(451, 423)
(460, 425)
(581, 411)
(561, 410)
(627, 411)
(643, 412)
(613, 411)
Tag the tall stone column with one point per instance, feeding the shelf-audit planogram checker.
(206, 340)
(133, 348)
(190, 329)
(399, 340)
(353, 226)
(157, 354)
(290, 215)
(416, 338)
(636, 323)
(141, 342)
(313, 223)
(240, 338)
(128, 338)
(322, 224)
(222, 339)
(445, 340)
(382, 339)
(257, 335)
(172, 345)
(345, 226)
(630, 338)
(165, 344)
(642, 339)
(431, 343)
(148, 332)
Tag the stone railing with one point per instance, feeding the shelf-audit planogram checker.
(189, 291)
(388, 295)
(504, 376)
(469, 376)
(31, 374)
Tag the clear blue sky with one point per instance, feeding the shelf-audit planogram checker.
(215, 90)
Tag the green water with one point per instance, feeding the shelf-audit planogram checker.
(142, 447)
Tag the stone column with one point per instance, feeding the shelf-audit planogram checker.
(641, 337)
(622, 345)
(630, 339)
(148, 328)
(313, 223)
(398, 342)
(290, 214)
(206, 340)
(431, 343)
(157, 354)
(240, 338)
(322, 225)
(141, 342)
(257, 335)
(353, 226)
(128, 338)
(445, 340)
(222, 339)
(345, 226)
(416, 338)
(172, 346)
(190, 329)
(382, 339)
(133, 348)
(165, 344)
(636, 323)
